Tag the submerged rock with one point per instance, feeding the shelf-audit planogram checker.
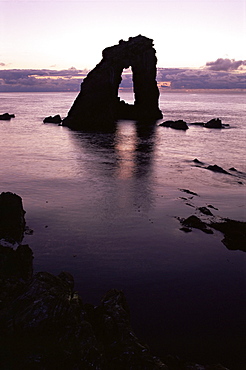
(55, 119)
(98, 106)
(6, 116)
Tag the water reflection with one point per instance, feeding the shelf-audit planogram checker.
(121, 162)
(129, 149)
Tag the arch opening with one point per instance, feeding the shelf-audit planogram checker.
(125, 90)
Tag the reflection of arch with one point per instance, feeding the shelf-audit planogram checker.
(98, 105)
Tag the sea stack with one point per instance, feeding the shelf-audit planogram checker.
(98, 106)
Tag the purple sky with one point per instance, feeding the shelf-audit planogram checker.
(60, 34)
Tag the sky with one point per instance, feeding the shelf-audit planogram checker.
(67, 35)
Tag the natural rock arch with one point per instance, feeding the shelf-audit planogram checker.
(98, 104)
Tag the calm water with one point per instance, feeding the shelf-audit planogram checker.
(104, 207)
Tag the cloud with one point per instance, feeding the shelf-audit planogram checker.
(201, 78)
(170, 78)
(2, 64)
(41, 80)
(225, 64)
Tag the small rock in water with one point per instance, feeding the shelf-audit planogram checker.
(213, 123)
(197, 161)
(6, 116)
(216, 168)
(188, 191)
(205, 211)
(55, 119)
(195, 222)
(177, 125)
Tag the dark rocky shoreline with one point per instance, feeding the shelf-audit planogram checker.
(46, 325)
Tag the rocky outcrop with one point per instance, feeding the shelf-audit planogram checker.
(6, 116)
(12, 217)
(98, 105)
(55, 119)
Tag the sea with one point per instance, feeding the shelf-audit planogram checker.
(106, 207)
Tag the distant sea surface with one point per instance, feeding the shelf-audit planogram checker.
(105, 207)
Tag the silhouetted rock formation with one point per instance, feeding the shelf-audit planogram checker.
(6, 116)
(54, 119)
(182, 125)
(98, 105)
(177, 125)
(12, 221)
(213, 123)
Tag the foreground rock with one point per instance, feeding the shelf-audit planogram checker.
(6, 116)
(44, 324)
(98, 106)
(12, 217)
(55, 119)
(58, 331)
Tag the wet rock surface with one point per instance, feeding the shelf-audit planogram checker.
(98, 106)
